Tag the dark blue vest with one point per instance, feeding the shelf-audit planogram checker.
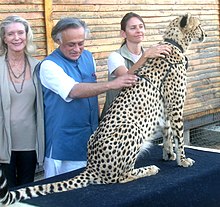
(69, 124)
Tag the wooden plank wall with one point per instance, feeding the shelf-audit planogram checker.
(103, 19)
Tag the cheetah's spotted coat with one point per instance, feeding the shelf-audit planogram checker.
(156, 101)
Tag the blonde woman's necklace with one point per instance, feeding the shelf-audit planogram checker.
(23, 73)
(12, 72)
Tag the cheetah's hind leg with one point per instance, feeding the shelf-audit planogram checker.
(139, 173)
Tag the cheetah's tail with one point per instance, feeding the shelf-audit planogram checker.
(9, 197)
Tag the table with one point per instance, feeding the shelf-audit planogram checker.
(173, 186)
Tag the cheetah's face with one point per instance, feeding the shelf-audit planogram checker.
(192, 29)
(184, 29)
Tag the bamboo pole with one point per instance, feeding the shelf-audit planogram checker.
(48, 4)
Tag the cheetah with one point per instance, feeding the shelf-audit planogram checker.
(155, 103)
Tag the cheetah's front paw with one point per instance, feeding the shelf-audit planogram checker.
(169, 156)
(187, 162)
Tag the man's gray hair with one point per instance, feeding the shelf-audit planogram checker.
(66, 23)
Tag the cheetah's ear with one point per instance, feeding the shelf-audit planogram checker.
(185, 20)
